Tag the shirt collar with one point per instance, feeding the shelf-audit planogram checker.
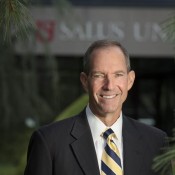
(97, 126)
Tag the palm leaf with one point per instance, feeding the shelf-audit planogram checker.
(15, 19)
(165, 163)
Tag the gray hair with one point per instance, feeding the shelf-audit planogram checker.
(103, 44)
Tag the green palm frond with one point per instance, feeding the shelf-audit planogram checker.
(165, 163)
(15, 19)
(168, 27)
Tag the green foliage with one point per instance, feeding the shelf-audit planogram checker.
(15, 19)
(165, 163)
(20, 169)
(71, 110)
(19, 86)
(74, 108)
(7, 170)
(168, 27)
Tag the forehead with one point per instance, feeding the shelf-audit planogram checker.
(115, 50)
(108, 56)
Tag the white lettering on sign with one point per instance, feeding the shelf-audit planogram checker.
(90, 31)
(148, 31)
(140, 32)
(157, 33)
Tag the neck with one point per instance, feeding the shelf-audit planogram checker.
(109, 119)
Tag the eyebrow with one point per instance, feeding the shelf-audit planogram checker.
(118, 71)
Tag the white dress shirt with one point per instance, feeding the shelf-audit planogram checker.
(98, 127)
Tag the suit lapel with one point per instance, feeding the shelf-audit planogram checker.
(132, 148)
(83, 146)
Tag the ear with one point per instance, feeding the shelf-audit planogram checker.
(131, 78)
(84, 81)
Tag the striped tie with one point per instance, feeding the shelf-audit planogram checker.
(110, 163)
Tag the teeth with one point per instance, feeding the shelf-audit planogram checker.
(108, 96)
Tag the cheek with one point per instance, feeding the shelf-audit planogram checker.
(91, 89)
(124, 90)
(122, 84)
(94, 87)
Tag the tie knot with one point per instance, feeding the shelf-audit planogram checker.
(108, 133)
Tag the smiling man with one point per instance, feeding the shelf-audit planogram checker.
(100, 140)
(107, 81)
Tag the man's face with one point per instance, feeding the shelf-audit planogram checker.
(108, 81)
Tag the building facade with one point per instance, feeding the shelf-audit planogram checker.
(139, 25)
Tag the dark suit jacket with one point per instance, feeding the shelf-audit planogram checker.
(66, 148)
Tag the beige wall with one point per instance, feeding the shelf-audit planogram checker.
(139, 29)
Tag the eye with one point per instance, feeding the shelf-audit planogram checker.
(98, 75)
(119, 74)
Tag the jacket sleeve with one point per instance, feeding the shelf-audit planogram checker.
(39, 161)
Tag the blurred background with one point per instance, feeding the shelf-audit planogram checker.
(39, 76)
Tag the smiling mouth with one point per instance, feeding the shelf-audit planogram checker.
(108, 96)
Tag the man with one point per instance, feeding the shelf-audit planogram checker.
(75, 146)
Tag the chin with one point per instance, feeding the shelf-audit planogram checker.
(108, 110)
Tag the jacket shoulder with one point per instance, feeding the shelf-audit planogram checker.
(149, 132)
(58, 128)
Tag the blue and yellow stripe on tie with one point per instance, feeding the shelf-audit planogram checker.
(111, 162)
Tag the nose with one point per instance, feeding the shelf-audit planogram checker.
(109, 83)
